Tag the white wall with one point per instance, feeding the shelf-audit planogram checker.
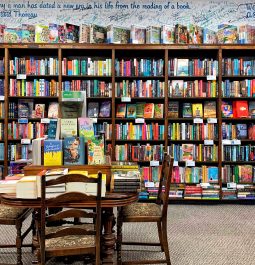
(126, 12)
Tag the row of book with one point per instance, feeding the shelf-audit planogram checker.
(240, 192)
(103, 109)
(238, 174)
(129, 152)
(87, 66)
(26, 108)
(33, 66)
(140, 110)
(237, 153)
(139, 67)
(211, 192)
(196, 88)
(2, 110)
(35, 88)
(192, 110)
(193, 152)
(1, 151)
(1, 87)
(140, 88)
(244, 88)
(91, 33)
(18, 151)
(130, 131)
(192, 67)
(238, 66)
(93, 88)
(188, 131)
(238, 131)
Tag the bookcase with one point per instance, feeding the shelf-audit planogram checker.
(148, 99)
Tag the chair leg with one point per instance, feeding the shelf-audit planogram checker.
(165, 242)
(19, 243)
(119, 235)
(160, 236)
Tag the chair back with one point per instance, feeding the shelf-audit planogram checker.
(165, 180)
(70, 200)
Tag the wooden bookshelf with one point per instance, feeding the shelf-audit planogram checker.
(119, 52)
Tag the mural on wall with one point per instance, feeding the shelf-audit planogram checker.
(126, 12)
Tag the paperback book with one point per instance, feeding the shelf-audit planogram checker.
(74, 151)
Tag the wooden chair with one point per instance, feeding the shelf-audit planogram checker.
(72, 239)
(149, 212)
(16, 217)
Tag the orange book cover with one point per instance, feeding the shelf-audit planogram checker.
(148, 110)
(240, 109)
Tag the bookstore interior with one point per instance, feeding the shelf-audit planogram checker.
(81, 97)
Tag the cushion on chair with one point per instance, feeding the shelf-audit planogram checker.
(7, 212)
(142, 209)
(54, 229)
(70, 241)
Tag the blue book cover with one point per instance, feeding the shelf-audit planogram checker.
(52, 129)
(213, 175)
(74, 150)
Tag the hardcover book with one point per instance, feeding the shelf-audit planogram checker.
(177, 88)
(210, 109)
(97, 34)
(153, 34)
(187, 152)
(252, 109)
(197, 110)
(42, 34)
(187, 110)
(181, 34)
(2, 27)
(61, 34)
(182, 67)
(240, 109)
(137, 35)
(195, 34)
(209, 36)
(93, 109)
(53, 33)
(53, 129)
(131, 111)
(105, 109)
(241, 131)
(245, 175)
(86, 128)
(167, 34)
(12, 35)
(68, 127)
(173, 109)
(158, 110)
(28, 33)
(118, 35)
(96, 151)
(53, 154)
(74, 151)
(140, 109)
(39, 110)
(25, 108)
(71, 33)
(213, 174)
(121, 110)
(226, 109)
(53, 110)
(227, 34)
(149, 110)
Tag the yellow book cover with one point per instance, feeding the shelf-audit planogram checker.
(82, 172)
(53, 153)
(197, 110)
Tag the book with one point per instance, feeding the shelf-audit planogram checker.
(240, 109)
(181, 34)
(187, 152)
(25, 108)
(197, 110)
(119, 35)
(210, 109)
(182, 67)
(53, 154)
(28, 33)
(140, 109)
(26, 188)
(53, 110)
(241, 131)
(12, 35)
(86, 128)
(2, 27)
(131, 110)
(53, 33)
(158, 110)
(53, 129)
(177, 88)
(93, 109)
(226, 109)
(68, 127)
(153, 34)
(252, 109)
(96, 151)
(195, 34)
(187, 110)
(39, 110)
(61, 34)
(105, 109)
(137, 35)
(173, 109)
(121, 110)
(213, 174)
(97, 34)
(227, 34)
(149, 110)
(167, 34)
(71, 33)
(41, 34)
(56, 171)
(74, 151)
(209, 36)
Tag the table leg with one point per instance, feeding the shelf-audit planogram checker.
(108, 237)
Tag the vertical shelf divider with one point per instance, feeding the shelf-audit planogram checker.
(6, 107)
(113, 105)
(166, 99)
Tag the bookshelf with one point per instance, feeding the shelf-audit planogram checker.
(128, 76)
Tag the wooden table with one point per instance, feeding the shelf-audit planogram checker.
(110, 201)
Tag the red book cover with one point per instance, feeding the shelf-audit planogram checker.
(240, 109)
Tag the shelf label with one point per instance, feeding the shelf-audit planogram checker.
(176, 164)
(1, 97)
(94, 120)
(236, 142)
(198, 120)
(149, 184)
(211, 77)
(139, 120)
(226, 142)
(231, 185)
(45, 120)
(25, 141)
(125, 99)
(194, 46)
(190, 163)
(231, 142)
(23, 120)
(21, 76)
(208, 142)
(154, 163)
(212, 120)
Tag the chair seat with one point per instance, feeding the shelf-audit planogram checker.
(10, 212)
(54, 229)
(70, 241)
(142, 209)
